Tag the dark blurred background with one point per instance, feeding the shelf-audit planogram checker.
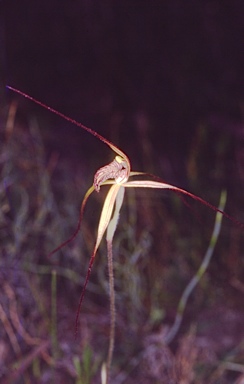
(152, 69)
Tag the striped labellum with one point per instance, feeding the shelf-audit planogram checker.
(117, 170)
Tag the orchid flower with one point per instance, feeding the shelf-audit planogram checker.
(119, 175)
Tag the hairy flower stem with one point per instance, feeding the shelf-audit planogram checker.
(112, 308)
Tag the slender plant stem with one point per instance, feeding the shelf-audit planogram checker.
(110, 234)
(200, 272)
(112, 308)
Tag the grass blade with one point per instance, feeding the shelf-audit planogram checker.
(200, 272)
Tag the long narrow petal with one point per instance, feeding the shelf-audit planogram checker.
(88, 193)
(106, 212)
(114, 221)
(162, 185)
(150, 184)
(91, 131)
(103, 224)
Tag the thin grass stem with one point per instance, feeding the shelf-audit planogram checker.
(200, 272)
(54, 315)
